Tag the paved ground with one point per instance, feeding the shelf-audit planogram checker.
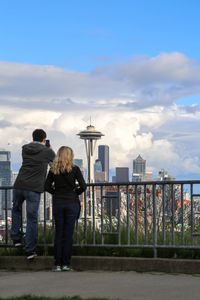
(114, 285)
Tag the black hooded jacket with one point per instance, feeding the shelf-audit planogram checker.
(35, 160)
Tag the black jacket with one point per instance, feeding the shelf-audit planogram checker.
(64, 186)
(35, 160)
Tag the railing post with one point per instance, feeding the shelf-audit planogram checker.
(182, 214)
(128, 214)
(136, 216)
(145, 214)
(93, 216)
(154, 222)
(119, 215)
(6, 214)
(163, 216)
(45, 231)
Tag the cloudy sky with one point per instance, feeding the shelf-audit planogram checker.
(132, 66)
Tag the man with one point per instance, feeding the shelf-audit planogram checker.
(28, 186)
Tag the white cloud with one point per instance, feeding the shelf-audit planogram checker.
(131, 103)
(137, 83)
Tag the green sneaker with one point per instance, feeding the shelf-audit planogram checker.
(57, 269)
(66, 268)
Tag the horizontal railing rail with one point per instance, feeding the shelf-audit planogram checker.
(150, 214)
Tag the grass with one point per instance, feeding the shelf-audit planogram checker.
(30, 297)
(83, 238)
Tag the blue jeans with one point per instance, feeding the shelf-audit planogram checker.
(32, 206)
(65, 216)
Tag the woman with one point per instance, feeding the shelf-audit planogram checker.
(61, 183)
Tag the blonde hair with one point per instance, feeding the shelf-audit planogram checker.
(63, 160)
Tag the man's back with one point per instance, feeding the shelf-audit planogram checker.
(32, 173)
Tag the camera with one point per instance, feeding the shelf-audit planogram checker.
(47, 143)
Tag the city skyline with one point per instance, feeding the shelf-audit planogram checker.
(83, 166)
(133, 67)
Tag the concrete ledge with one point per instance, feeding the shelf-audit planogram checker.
(97, 263)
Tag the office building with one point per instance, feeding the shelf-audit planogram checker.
(148, 176)
(139, 165)
(122, 174)
(100, 177)
(103, 157)
(97, 166)
(114, 179)
(139, 170)
(5, 180)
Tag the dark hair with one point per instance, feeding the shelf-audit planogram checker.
(39, 135)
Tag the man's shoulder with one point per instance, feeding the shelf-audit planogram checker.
(49, 152)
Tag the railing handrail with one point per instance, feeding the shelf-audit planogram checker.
(149, 182)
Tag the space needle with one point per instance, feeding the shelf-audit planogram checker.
(90, 137)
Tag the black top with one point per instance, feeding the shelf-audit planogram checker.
(63, 186)
(33, 171)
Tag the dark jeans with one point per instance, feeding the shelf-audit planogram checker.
(32, 206)
(65, 216)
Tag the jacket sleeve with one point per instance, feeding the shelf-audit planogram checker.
(51, 155)
(81, 182)
(49, 183)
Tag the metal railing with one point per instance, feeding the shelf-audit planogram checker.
(153, 214)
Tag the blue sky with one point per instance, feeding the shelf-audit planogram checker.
(134, 66)
(83, 34)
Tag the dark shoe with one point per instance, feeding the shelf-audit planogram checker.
(31, 255)
(17, 243)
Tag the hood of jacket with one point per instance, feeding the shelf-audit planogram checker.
(32, 148)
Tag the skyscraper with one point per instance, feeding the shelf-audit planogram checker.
(139, 165)
(139, 169)
(97, 166)
(103, 157)
(122, 174)
(5, 179)
(5, 168)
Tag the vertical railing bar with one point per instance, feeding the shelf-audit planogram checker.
(136, 215)
(119, 215)
(6, 214)
(182, 214)
(77, 225)
(145, 215)
(192, 212)
(172, 219)
(154, 221)
(93, 216)
(102, 229)
(110, 213)
(128, 214)
(85, 215)
(163, 216)
(44, 230)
